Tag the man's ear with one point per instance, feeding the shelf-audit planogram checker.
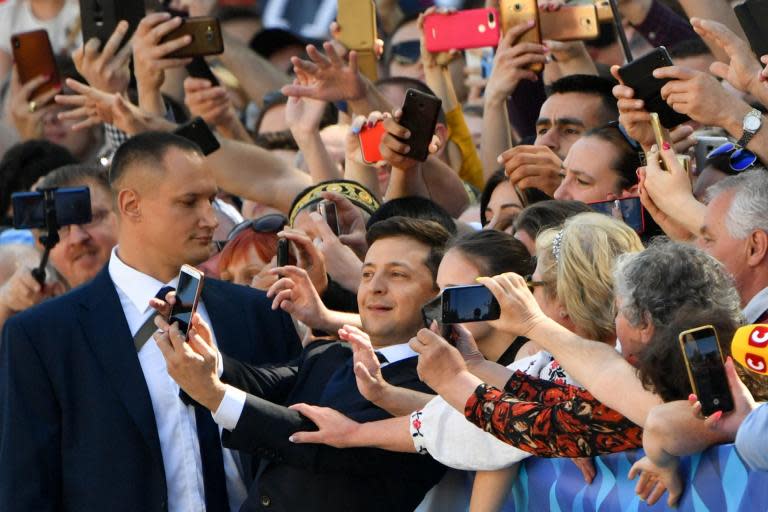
(441, 131)
(632, 191)
(647, 329)
(128, 204)
(757, 247)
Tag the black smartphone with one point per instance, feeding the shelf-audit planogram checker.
(753, 18)
(432, 311)
(327, 209)
(638, 75)
(282, 252)
(187, 297)
(72, 205)
(420, 113)
(630, 209)
(471, 303)
(198, 68)
(706, 370)
(99, 18)
(198, 132)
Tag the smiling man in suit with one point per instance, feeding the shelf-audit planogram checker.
(398, 277)
(89, 418)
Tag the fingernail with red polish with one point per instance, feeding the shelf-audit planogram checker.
(666, 146)
(716, 416)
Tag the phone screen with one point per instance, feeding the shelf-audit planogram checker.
(631, 210)
(433, 312)
(707, 371)
(183, 308)
(474, 303)
(73, 206)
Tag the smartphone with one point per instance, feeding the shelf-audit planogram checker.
(327, 209)
(33, 55)
(471, 303)
(706, 371)
(753, 18)
(630, 209)
(206, 38)
(370, 143)
(462, 30)
(72, 206)
(431, 312)
(198, 68)
(704, 146)
(357, 24)
(604, 13)
(99, 18)
(420, 111)
(514, 12)
(576, 23)
(282, 252)
(638, 74)
(187, 297)
(198, 132)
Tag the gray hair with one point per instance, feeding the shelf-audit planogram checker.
(747, 212)
(652, 285)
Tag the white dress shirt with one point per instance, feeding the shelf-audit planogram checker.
(757, 306)
(176, 426)
(231, 407)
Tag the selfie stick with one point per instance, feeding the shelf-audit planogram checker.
(51, 238)
(620, 32)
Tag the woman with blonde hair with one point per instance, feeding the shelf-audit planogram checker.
(573, 284)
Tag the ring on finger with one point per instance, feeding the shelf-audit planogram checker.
(32, 106)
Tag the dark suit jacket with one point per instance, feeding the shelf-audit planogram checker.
(309, 477)
(77, 429)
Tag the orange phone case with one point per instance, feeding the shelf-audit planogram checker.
(206, 38)
(370, 142)
(514, 12)
(462, 30)
(33, 55)
(577, 23)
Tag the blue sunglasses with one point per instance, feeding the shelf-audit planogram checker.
(739, 159)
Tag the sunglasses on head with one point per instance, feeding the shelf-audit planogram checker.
(406, 53)
(272, 223)
(739, 159)
(632, 143)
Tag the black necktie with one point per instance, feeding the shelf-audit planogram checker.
(214, 478)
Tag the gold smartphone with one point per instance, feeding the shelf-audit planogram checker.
(604, 12)
(658, 134)
(357, 25)
(577, 23)
(706, 370)
(514, 12)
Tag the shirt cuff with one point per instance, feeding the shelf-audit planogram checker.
(230, 409)
(416, 435)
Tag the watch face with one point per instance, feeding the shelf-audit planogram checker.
(752, 123)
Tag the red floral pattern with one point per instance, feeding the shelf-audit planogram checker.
(551, 420)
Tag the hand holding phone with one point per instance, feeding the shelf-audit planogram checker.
(370, 142)
(282, 252)
(419, 116)
(516, 12)
(471, 303)
(205, 34)
(327, 209)
(461, 30)
(33, 55)
(188, 291)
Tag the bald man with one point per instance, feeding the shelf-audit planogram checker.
(89, 418)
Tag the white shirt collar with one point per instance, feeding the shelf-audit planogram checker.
(137, 286)
(757, 306)
(396, 353)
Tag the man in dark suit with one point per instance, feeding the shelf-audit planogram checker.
(89, 418)
(398, 277)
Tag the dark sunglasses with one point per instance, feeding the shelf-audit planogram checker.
(739, 159)
(406, 53)
(531, 284)
(632, 143)
(271, 223)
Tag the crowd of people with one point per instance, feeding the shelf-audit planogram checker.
(316, 381)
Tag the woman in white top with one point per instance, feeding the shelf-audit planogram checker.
(573, 283)
(61, 18)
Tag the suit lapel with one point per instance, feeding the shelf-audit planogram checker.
(108, 334)
(227, 319)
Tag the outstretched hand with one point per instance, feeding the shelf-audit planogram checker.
(655, 480)
(329, 78)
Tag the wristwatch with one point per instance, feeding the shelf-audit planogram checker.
(752, 123)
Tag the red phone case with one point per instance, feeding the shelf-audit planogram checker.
(462, 30)
(370, 141)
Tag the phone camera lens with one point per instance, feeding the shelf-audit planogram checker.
(518, 7)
